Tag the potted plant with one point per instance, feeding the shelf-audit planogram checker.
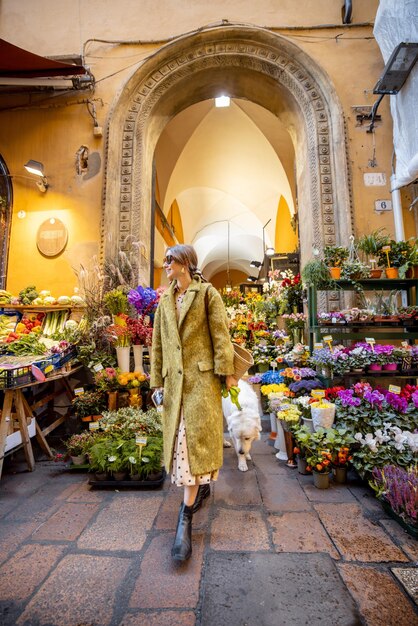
(107, 380)
(371, 245)
(323, 414)
(395, 256)
(397, 487)
(120, 335)
(76, 447)
(315, 274)
(354, 270)
(89, 405)
(334, 257)
(302, 436)
(98, 457)
(289, 415)
(341, 441)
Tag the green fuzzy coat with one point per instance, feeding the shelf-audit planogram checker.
(188, 357)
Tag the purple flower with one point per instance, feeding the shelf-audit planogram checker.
(415, 398)
(348, 399)
(307, 372)
(254, 380)
(374, 397)
(397, 402)
(144, 299)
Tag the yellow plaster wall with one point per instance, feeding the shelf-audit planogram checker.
(286, 239)
(52, 131)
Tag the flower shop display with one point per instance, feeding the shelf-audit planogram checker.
(129, 441)
(397, 489)
(295, 325)
(371, 245)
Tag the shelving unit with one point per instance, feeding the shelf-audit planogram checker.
(357, 331)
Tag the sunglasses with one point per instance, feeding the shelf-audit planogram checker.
(168, 259)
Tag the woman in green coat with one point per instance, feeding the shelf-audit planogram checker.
(191, 351)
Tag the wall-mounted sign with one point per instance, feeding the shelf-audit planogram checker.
(374, 179)
(383, 205)
(52, 237)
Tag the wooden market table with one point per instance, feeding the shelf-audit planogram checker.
(14, 397)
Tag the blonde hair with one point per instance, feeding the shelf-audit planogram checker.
(186, 255)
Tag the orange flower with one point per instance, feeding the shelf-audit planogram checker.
(318, 467)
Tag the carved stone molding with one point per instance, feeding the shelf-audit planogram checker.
(273, 59)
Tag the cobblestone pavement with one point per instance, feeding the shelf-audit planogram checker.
(268, 549)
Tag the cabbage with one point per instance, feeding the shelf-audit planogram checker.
(77, 300)
(44, 294)
(70, 325)
(64, 300)
(49, 300)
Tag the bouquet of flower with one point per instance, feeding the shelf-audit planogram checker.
(76, 444)
(290, 292)
(132, 380)
(289, 413)
(140, 330)
(144, 299)
(107, 379)
(294, 320)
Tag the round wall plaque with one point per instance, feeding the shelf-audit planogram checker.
(52, 237)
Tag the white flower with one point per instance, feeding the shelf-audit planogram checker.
(358, 437)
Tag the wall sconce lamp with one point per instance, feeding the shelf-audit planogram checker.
(394, 76)
(37, 168)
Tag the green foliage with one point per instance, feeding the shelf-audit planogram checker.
(89, 403)
(398, 254)
(116, 302)
(372, 243)
(335, 256)
(316, 274)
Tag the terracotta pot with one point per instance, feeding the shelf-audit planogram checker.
(375, 273)
(375, 367)
(120, 475)
(392, 272)
(335, 272)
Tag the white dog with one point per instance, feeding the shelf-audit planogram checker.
(244, 426)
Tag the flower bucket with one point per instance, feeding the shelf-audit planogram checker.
(335, 272)
(273, 428)
(243, 360)
(375, 367)
(138, 356)
(392, 272)
(123, 356)
(340, 475)
(321, 481)
(302, 465)
(280, 443)
(308, 423)
(112, 400)
(323, 418)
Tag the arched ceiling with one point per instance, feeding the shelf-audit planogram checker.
(226, 165)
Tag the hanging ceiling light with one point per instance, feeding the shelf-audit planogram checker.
(270, 251)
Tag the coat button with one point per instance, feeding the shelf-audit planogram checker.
(180, 372)
(178, 348)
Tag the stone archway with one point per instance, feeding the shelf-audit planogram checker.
(247, 62)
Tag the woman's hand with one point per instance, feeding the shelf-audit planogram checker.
(230, 381)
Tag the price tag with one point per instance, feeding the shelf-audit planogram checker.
(48, 369)
(318, 393)
(78, 391)
(98, 367)
(273, 365)
(94, 425)
(318, 346)
(406, 345)
(394, 389)
(371, 341)
(327, 338)
(386, 248)
(140, 441)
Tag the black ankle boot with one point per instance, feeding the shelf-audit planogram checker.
(182, 546)
(203, 492)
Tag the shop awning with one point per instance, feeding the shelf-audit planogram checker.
(16, 62)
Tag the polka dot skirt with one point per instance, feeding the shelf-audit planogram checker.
(180, 471)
